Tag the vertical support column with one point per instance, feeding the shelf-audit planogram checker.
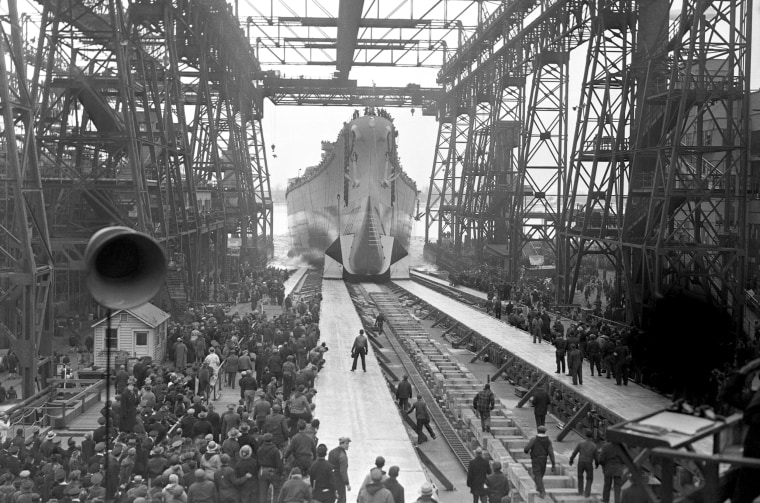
(543, 155)
(597, 180)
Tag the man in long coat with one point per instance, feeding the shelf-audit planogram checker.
(477, 473)
(180, 355)
(129, 403)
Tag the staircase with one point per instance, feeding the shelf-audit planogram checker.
(175, 284)
(409, 335)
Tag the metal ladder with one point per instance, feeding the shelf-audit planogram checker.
(401, 325)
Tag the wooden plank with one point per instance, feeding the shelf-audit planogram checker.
(465, 339)
(450, 329)
(503, 368)
(430, 314)
(481, 352)
(573, 420)
(531, 391)
(436, 471)
(439, 320)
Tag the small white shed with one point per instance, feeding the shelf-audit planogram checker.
(136, 332)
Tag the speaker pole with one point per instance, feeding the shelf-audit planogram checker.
(108, 396)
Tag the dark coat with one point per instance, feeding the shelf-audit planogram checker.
(476, 475)
(129, 403)
(404, 390)
(541, 402)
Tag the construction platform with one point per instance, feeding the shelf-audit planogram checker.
(624, 403)
(358, 404)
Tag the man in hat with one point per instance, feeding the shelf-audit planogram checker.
(302, 448)
(276, 424)
(594, 353)
(248, 386)
(359, 349)
(261, 409)
(497, 484)
(295, 489)
(88, 446)
(246, 469)
(12, 462)
(611, 460)
(404, 393)
(96, 490)
(540, 449)
(426, 493)
(187, 423)
(541, 403)
(211, 461)
(375, 491)
(338, 460)
(379, 464)
(180, 355)
(137, 489)
(203, 490)
(127, 466)
(422, 419)
(483, 403)
(157, 462)
(48, 447)
(230, 446)
(587, 455)
(393, 485)
(129, 401)
(289, 370)
(477, 472)
(230, 419)
(270, 468)
(202, 426)
(321, 477)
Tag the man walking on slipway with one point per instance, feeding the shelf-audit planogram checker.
(484, 403)
(359, 349)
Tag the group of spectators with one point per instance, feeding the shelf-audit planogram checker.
(162, 439)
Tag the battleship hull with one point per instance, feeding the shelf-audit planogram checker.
(354, 210)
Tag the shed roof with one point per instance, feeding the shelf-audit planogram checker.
(147, 313)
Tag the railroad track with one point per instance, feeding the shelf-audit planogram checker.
(402, 326)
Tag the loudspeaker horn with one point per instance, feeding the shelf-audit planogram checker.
(125, 268)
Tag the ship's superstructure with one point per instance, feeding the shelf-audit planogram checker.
(355, 208)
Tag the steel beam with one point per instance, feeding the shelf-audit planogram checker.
(349, 14)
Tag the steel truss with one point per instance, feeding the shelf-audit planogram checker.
(149, 120)
(515, 51)
(685, 227)
(596, 186)
(389, 33)
(658, 165)
(26, 262)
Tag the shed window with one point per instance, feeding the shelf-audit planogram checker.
(141, 338)
(124, 317)
(112, 338)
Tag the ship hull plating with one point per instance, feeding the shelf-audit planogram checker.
(354, 211)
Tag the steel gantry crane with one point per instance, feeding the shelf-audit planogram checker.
(26, 256)
(150, 118)
(656, 176)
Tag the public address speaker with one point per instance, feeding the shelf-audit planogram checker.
(125, 268)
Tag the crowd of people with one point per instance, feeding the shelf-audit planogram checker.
(162, 439)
